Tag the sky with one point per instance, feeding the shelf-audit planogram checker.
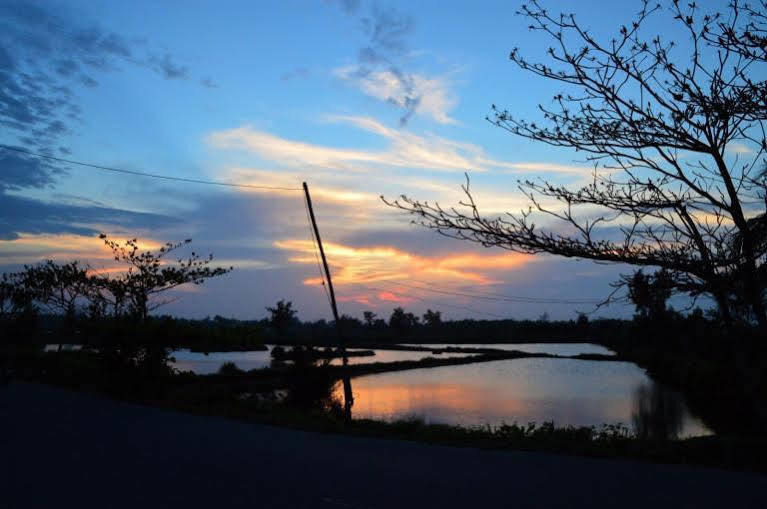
(359, 99)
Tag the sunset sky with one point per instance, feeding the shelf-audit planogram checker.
(359, 99)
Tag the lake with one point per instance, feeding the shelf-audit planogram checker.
(394, 356)
(205, 364)
(552, 348)
(566, 391)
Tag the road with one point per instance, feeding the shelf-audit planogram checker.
(61, 449)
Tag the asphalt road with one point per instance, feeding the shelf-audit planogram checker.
(60, 449)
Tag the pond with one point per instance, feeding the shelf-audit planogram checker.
(552, 348)
(64, 347)
(566, 391)
(394, 356)
(204, 364)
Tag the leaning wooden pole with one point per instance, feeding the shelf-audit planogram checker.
(348, 397)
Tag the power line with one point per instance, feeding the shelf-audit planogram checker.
(517, 298)
(315, 250)
(144, 174)
(500, 298)
(464, 308)
(486, 296)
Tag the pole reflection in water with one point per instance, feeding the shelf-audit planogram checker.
(348, 396)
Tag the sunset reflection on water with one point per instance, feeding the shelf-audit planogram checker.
(568, 392)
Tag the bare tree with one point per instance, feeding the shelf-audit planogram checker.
(660, 129)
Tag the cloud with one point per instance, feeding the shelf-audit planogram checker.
(739, 148)
(393, 297)
(45, 54)
(19, 171)
(386, 29)
(421, 94)
(208, 83)
(381, 60)
(405, 150)
(168, 68)
(349, 6)
(379, 263)
(21, 215)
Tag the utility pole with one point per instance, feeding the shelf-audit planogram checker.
(348, 397)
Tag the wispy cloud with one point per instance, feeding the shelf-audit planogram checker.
(381, 64)
(430, 96)
(739, 148)
(405, 150)
(46, 54)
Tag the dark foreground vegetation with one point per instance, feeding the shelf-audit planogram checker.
(304, 396)
(720, 368)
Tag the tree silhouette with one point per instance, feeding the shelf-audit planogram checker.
(16, 300)
(282, 315)
(149, 274)
(649, 293)
(666, 190)
(401, 320)
(432, 318)
(369, 317)
(58, 287)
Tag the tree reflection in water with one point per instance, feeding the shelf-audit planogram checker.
(657, 413)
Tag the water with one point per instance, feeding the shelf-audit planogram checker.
(566, 391)
(51, 347)
(396, 355)
(203, 364)
(552, 348)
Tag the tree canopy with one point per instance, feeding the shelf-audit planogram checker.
(676, 136)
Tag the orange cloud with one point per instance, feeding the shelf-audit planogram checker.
(32, 248)
(393, 297)
(373, 264)
(363, 299)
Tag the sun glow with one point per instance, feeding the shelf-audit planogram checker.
(372, 265)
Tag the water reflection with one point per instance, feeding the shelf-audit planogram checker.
(563, 390)
(64, 347)
(395, 356)
(552, 348)
(204, 364)
(658, 412)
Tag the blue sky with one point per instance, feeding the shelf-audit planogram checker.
(357, 98)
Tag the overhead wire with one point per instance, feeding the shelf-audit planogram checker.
(507, 296)
(431, 288)
(498, 297)
(430, 301)
(146, 174)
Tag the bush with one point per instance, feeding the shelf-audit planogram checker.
(230, 369)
